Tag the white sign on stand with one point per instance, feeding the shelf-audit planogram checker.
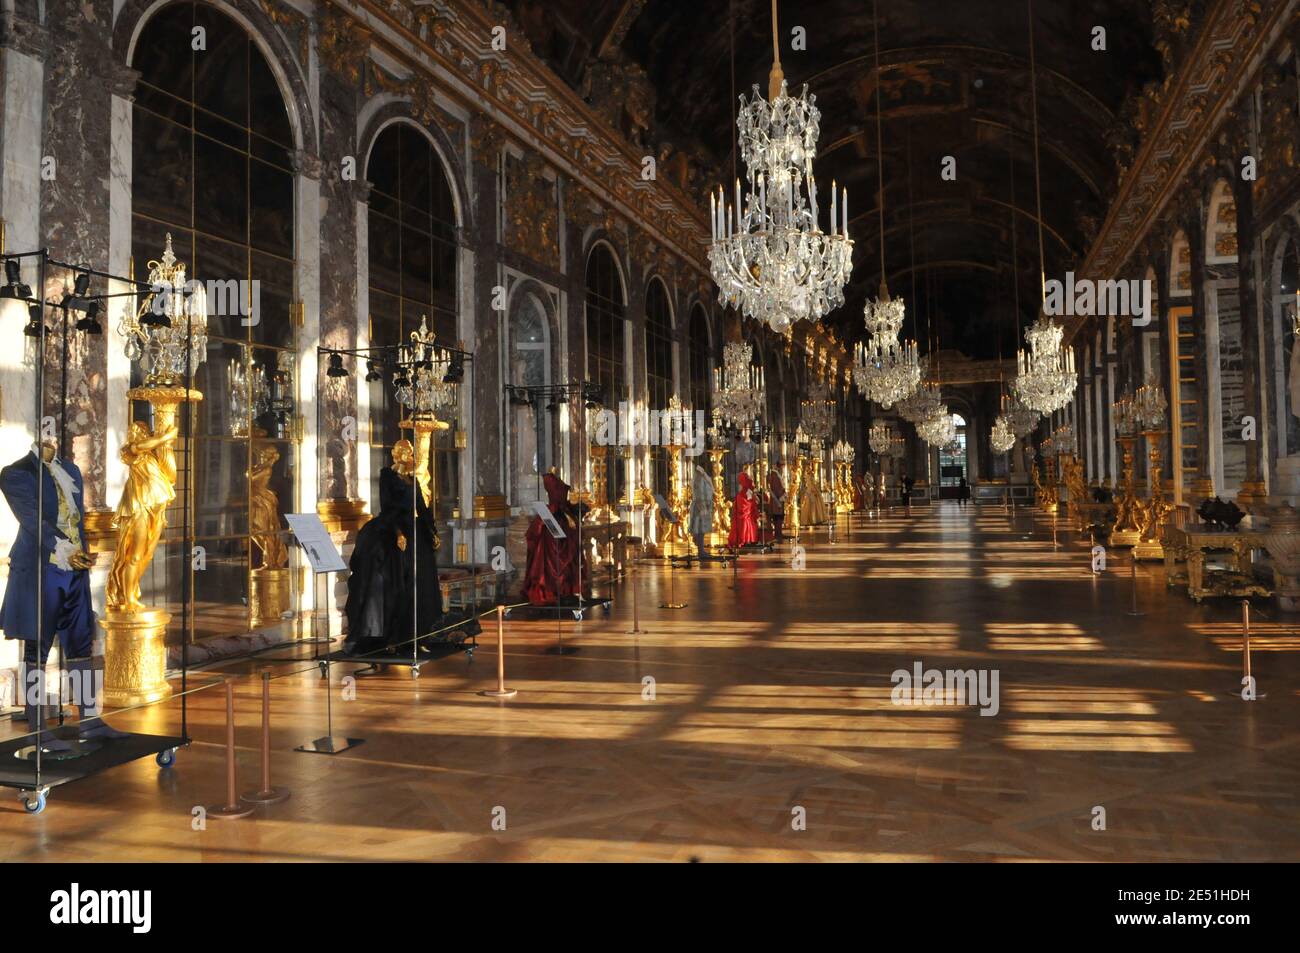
(315, 541)
(547, 517)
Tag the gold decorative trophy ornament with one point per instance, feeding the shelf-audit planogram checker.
(167, 336)
(721, 505)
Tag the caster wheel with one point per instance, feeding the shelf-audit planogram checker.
(415, 673)
(166, 759)
(324, 670)
(33, 801)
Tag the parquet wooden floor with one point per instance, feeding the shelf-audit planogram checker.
(771, 702)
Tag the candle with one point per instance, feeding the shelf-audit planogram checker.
(844, 213)
(812, 196)
(738, 226)
(713, 215)
(833, 187)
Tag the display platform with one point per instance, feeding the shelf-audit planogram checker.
(577, 608)
(18, 771)
(459, 628)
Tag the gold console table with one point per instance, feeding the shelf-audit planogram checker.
(1185, 548)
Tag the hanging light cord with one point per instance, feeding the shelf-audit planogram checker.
(1015, 248)
(1038, 184)
(880, 156)
(776, 77)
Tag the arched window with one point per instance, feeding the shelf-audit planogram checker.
(952, 457)
(699, 362)
(659, 369)
(606, 331)
(412, 249)
(532, 426)
(211, 147)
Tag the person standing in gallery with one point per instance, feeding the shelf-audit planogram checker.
(908, 483)
(776, 500)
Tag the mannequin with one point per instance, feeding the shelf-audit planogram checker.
(390, 548)
(556, 567)
(63, 563)
(776, 499)
(744, 515)
(812, 509)
(700, 523)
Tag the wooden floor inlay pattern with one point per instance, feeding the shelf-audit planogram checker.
(708, 735)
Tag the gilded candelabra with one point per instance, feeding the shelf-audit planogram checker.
(1128, 508)
(600, 511)
(721, 509)
(1152, 513)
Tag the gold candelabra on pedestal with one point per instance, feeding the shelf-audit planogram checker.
(1128, 508)
(721, 509)
(674, 540)
(1153, 512)
(135, 649)
(600, 511)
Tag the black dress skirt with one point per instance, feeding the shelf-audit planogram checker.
(384, 596)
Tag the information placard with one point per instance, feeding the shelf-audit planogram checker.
(548, 518)
(315, 540)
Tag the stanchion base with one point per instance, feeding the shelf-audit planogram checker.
(1236, 693)
(635, 632)
(672, 605)
(229, 812)
(273, 796)
(330, 745)
(562, 650)
(493, 693)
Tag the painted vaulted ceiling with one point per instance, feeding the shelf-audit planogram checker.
(954, 82)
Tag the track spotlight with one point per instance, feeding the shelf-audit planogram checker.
(155, 314)
(34, 329)
(336, 368)
(81, 284)
(90, 322)
(455, 369)
(13, 286)
(372, 373)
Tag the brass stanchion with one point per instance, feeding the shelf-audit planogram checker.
(267, 794)
(500, 691)
(636, 611)
(232, 808)
(1247, 677)
(1133, 585)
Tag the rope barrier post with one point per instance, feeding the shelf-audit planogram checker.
(232, 808)
(1133, 583)
(267, 794)
(1247, 676)
(500, 691)
(636, 610)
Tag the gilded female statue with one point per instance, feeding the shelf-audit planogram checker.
(264, 510)
(140, 517)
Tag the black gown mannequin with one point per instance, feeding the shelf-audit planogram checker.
(383, 565)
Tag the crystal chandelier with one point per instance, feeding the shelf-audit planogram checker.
(938, 429)
(170, 324)
(1149, 406)
(817, 417)
(1020, 418)
(886, 369)
(739, 387)
(428, 376)
(1124, 413)
(880, 439)
(1045, 373)
(843, 452)
(254, 393)
(769, 256)
(923, 402)
(1002, 439)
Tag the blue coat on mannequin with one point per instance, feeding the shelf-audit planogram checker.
(18, 483)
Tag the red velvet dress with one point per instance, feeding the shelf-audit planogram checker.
(744, 515)
(554, 565)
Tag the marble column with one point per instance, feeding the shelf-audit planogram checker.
(1252, 491)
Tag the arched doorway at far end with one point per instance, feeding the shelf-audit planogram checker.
(954, 461)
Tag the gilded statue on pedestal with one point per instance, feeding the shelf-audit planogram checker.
(264, 510)
(140, 517)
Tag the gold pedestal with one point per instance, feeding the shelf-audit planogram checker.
(268, 596)
(135, 657)
(1252, 493)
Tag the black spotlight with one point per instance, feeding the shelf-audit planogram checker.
(13, 286)
(455, 369)
(400, 379)
(156, 314)
(372, 373)
(33, 328)
(336, 368)
(81, 284)
(90, 322)
(519, 398)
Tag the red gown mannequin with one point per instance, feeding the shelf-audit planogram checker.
(554, 565)
(744, 515)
